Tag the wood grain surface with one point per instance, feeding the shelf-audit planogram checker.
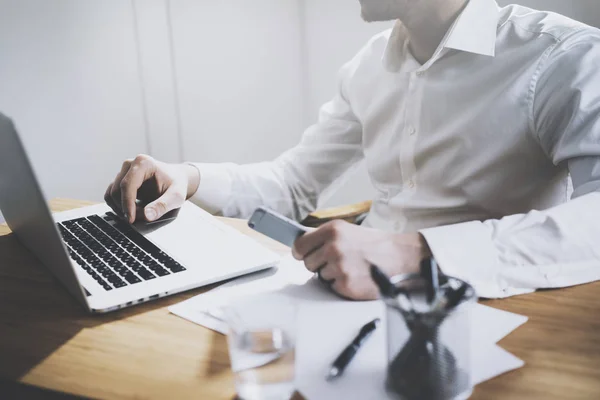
(48, 341)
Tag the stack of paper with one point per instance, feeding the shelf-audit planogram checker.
(327, 324)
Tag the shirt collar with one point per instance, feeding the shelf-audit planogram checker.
(474, 31)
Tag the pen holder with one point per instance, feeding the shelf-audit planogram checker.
(428, 342)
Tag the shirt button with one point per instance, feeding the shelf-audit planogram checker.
(411, 184)
(412, 131)
(419, 73)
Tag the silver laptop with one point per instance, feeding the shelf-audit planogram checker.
(104, 262)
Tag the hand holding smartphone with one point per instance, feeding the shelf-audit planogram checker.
(276, 226)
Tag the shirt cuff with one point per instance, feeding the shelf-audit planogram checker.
(214, 190)
(466, 251)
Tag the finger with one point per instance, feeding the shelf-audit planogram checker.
(141, 170)
(115, 191)
(340, 286)
(310, 241)
(107, 197)
(107, 192)
(315, 260)
(329, 272)
(170, 200)
(355, 290)
(139, 212)
(109, 200)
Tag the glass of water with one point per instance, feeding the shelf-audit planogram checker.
(261, 340)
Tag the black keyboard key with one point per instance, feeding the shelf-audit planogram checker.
(88, 256)
(103, 225)
(137, 237)
(90, 271)
(119, 284)
(100, 281)
(118, 267)
(106, 272)
(161, 272)
(66, 235)
(115, 264)
(120, 253)
(103, 270)
(63, 231)
(141, 271)
(73, 222)
(137, 253)
(85, 253)
(157, 268)
(110, 216)
(131, 278)
(174, 266)
(145, 274)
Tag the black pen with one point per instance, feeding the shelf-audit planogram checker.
(429, 272)
(340, 363)
(456, 296)
(390, 291)
(386, 287)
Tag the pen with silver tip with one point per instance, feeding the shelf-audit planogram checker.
(342, 361)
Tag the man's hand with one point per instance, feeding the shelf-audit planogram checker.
(343, 253)
(159, 186)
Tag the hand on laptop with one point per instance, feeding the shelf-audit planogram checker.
(159, 186)
(342, 254)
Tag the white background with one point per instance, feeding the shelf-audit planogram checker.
(90, 83)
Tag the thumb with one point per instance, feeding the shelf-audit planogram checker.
(170, 200)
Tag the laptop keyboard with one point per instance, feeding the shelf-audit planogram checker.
(115, 255)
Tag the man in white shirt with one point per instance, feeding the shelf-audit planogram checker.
(469, 118)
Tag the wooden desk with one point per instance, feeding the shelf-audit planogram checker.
(46, 340)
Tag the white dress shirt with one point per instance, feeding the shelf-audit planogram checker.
(462, 149)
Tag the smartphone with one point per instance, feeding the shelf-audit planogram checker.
(276, 226)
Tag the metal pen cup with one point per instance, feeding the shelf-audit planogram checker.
(428, 344)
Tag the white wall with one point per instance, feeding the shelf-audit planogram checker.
(69, 77)
(239, 78)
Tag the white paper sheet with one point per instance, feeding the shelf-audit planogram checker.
(494, 324)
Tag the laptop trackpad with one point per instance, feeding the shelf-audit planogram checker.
(197, 239)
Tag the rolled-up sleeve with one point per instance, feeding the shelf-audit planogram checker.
(518, 254)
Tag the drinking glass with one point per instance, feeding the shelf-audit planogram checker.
(261, 340)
